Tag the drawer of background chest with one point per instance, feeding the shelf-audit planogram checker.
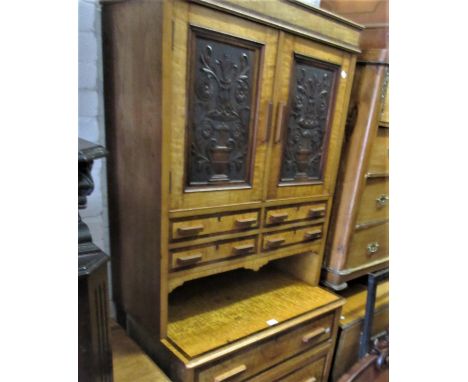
(218, 224)
(374, 200)
(310, 211)
(201, 254)
(292, 236)
(368, 244)
(261, 356)
(378, 162)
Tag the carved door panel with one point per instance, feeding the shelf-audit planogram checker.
(222, 87)
(310, 110)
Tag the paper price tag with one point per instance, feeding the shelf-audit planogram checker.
(272, 322)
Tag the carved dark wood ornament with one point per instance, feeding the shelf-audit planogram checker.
(223, 95)
(307, 122)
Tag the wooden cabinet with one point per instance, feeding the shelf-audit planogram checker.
(358, 237)
(225, 121)
(351, 323)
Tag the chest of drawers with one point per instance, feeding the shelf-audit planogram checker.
(225, 121)
(358, 237)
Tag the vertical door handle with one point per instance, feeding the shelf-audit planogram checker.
(279, 122)
(266, 136)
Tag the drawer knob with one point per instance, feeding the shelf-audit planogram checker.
(244, 223)
(314, 334)
(243, 249)
(373, 247)
(188, 231)
(382, 200)
(277, 218)
(231, 373)
(312, 235)
(315, 213)
(275, 243)
(189, 259)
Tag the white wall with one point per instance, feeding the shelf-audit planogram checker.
(91, 114)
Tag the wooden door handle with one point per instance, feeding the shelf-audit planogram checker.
(312, 235)
(229, 374)
(279, 122)
(274, 243)
(187, 231)
(243, 249)
(276, 218)
(189, 259)
(243, 223)
(313, 334)
(266, 136)
(317, 212)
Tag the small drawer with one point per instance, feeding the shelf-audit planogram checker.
(312, 371)
(212, 252)
(261, 356)
(378, 162)
(368, 245)
(208, 225)
(295, 213)
(374, 201)
(292, 236)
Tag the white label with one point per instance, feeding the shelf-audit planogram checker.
(272, 322)
(344, 74)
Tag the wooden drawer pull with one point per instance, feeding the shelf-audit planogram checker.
(315, 333)
(312, 235)
(243, 249)
(187, 231)
(313, 379)
(317, 213)
(189, 259)
(275, 243)
(243, 223)
(276, 218)
(231, 373)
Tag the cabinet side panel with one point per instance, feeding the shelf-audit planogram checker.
(132, 39)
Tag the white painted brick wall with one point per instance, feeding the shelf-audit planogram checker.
(91, 115)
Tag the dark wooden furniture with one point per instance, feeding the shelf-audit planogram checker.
(225, 121)
(94, 351)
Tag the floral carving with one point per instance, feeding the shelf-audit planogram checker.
(220, 113)
(307, 123)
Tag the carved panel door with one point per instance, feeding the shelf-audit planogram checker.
(222, 85)
(310, 111)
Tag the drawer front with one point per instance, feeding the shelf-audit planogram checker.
(291, 214)
(293, 236)
(212, 252)
(259, 357)
(214, 225)
(378, 162)
(368, 245)
(374, 201)
(313, 372)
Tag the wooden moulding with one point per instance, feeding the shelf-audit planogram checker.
(297, 18)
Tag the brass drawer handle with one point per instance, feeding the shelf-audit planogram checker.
(276, 218)
(244, 223)
(382, 200)
(312, 235)
(316, 213)
(188, 231)
(314, 334)
(373, 247)
(189, 259)
(229, 374)
(275, 243)
(243, 249)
